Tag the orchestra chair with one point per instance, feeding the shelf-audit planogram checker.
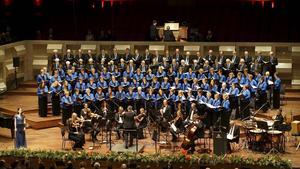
(64, 134)
(296, 132)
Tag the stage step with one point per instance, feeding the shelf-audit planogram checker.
(23, 91)
(37, 122)
(28, 84)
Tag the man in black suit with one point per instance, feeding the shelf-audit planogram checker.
(221, 58)
(177, 56)
(248, 59)
(165, 112)
(228, 67)
(273, 63)
(115, 56)
(187, 59)
(168, 35)
(127, 55)
(129, 126)
(69, 57)
(153, 32)
(137, 58)
(235, 60)
(148, 57)
(210, 57)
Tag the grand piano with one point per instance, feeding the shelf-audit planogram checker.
(7, 121)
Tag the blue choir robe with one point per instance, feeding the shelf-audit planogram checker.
(231, 80)
(201, 98)
(201, 76)
(149, 77)
(129, 75)
(180, 99)
(41, 78)
(120, 95)
(205, 86)
(185, 86)
(61, 73)
(213, 76)
(177, 86)
(165, 85)
(134, 85)
(92, 86)
(116, 74)
(55, 90)
(216, 103)
(89, 98)
(55, 78)
(195, 87)
(138, 77)
(222, 91)
(151, 97)
(257, 77)
(262, 86)
(70, 78)
(69, 88)
(253, 86)
(114, 84)
(42, 91)
(234, 92)
(210, 101)
(144, 85)
(139, 96)
(99, 96)
(190, 76)
(102, 84)
(156, 85)
(181, 76)
(277, 84)
(80, 86)
(105, 75)
(246, 94)
(160, 74)
(66, 102)
(84, 76)
(125, 84)
(226, 105)
(214, 88)
(77, 99)
(95, 76)
(172, 98)
(222, 79)
(74, 75)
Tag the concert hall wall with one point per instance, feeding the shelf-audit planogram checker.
(230, 20)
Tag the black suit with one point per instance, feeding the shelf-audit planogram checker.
(235, 60)
(248, 60)
(127, 57)
(137, 59)
(129, 124)
(211, 59)
(148, 58)
(169, 36)
(167, 113)
(153, 34)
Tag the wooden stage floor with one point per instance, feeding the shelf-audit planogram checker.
(50, 138)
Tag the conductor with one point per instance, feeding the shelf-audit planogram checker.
(129, 126)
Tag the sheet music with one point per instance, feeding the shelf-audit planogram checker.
(270, 82)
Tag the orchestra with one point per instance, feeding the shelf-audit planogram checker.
(179, 93)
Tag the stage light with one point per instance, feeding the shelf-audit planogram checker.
(7, 2)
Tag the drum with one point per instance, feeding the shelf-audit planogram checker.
(275, 136)
(256, 135)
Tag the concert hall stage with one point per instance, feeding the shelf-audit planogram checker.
(44, 133)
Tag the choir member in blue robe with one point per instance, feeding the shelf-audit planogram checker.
(201, 74)
(70, 78)
(66, 86)
(276, 91)
(139, 98)
(222, 78)
(160, 74)
(138, 76)
(99, 97)
(127, 73)
(245, 101)
(252, 85)
(180, 74)
(42, 93)
(231, 79)
(94, 74)
(205, 86)
(67, 107)
(105, 74)
(216, 110)
(223, 88)
(233, 98)
(120, 96)
(130, 97)
(185, 85)
(181, 99)
(165, 85)
(149, 75)
(80, 85)
(190, 75)
(89, 98)
(55, 77)
(212, 75)
(155, 84)
(55, 90)
(113, 84)
(262, 94)
(213, 87)
(102, 84)
(134, 84)
(177, 85)
(171, 74)
(150, 101)
(42, 77)
(160, 96)
(77, 102)
(92, 85)
(144, 84)
(226, 112)
(208, 120)
(82, 74)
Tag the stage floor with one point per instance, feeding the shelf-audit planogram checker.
(51, 139)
